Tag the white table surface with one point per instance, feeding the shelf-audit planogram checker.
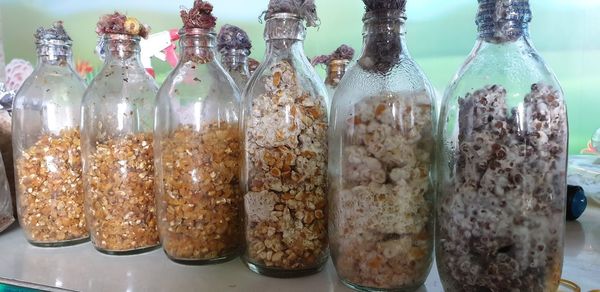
(82, 268)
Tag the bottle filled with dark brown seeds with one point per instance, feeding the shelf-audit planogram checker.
(502, 172)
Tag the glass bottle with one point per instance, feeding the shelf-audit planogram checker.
(46, 145)
(503, 153)
(197, 146)
(380, 163)
(236, 63)
(284, 177)
(336, 69)
(117, 133)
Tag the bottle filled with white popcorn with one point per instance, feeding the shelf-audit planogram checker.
(380, 161)
(116, 143)
(284, 178)
(46, 119)
(503, 159)
(197, 146)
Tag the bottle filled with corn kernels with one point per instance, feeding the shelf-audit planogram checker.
(284, 176)
(503, 157)
(46, 145)
(117, 143)
(197, 146)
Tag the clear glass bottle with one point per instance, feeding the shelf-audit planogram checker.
(380, 163)
(336, 69)
(284, 178)
(197, 146)
(234, 46)
(236, 64)
(46, 145)
(116, 141)
(502, 171)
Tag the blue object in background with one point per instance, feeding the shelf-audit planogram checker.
(576, 202)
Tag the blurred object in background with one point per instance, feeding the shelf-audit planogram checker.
(160, 45)
(337, 65)
(576, 202)
(16, 72)
(253, 65)
(584, 169)
(7, 209)
(85, 70)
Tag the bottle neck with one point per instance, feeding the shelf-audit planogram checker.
(284, 32)
(383, 40)
(500, 21)
(335, 71)
(55, 54)
(198, 45)
(123, 50)
(235, 60)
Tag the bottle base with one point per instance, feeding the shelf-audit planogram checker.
(59, 243)
(282, 273)
(203, 262)
(127, 252)
(358, 287)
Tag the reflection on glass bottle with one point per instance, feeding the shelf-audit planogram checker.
(284, 177)
(234, 46)
(197, 146)
(381, 161)
(503, 159)
(46, 145)
(116, 142)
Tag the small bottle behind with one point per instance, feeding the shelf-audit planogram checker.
(197, 146)
(46, 145)
(337, 64)
(116, 142)
(234, 46)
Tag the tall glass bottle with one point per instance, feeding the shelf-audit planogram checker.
(197, 146)
(284, 178)
(381, 160)
(116, 141)
(234, 46)
(502, 171)
(46, 117)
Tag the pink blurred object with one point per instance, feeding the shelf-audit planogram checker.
(16, 72)
(161, 46)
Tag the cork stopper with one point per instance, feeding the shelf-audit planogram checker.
(305, 9)
(118, 23)
(199, 16)
(231, 38)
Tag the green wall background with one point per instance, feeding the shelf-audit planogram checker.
(440, 35)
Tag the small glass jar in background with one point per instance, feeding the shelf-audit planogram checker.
(234, 46)
(6, 201)
(6, 207)
(46, 145)
(116, 142)
(337, 64)
(197, 150)
(381, 161)
(503, 160)
(284, 174)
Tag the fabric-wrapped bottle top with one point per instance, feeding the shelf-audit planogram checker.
(305, 9)
(501, 21)
(56, 32)
(199, 16)
(118, 23)
(232, 37)
(375, 5)
(343, 52)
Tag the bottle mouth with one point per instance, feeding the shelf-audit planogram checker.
(284, 15)
(395, 14)
(241, 53)
(197, 32)
(121, 37)
(53, 42)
